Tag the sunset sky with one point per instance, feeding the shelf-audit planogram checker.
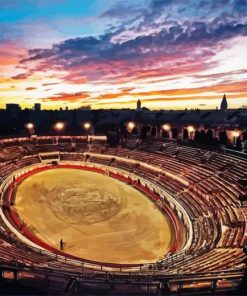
(172, 54)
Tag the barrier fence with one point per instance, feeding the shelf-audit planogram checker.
(70, 258)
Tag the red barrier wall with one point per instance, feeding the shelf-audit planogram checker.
(36, 240)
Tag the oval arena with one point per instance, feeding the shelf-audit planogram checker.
(96, 211)
(144, 215)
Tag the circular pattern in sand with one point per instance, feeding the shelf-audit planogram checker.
(99, 218)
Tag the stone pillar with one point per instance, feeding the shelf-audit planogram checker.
(181, 133)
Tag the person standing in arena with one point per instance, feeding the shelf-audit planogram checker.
(61, 244)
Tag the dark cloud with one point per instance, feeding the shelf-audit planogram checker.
(213, 4)
(51, 83)
(35, 54)
(240, 6)
(20, 76)
(88, 58)
(31, 88)
(157, 4)
(91, 49)
(122, 10)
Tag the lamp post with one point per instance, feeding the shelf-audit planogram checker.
(30, 127)
(167, 129)
(191, 130)
(130, 126)
(87, 127)
(235, 134)
(59, 127)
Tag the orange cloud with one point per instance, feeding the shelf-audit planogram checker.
(67, 97)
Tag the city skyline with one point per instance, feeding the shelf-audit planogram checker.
(169, 54)
(139, 107)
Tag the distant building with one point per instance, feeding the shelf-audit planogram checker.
(13, 107)
(224, 105)
(86, 107)
(138, 105)
(37, 106)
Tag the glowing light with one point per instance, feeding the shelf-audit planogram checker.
(59, 126)
(166, 127)
(191, 129)
(236, 134)
(30, 126)
(87, 125)
(131, 125)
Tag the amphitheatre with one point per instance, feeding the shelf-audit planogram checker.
(159, 215)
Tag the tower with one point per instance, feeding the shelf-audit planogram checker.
(223, 105)
(37, 106)
(138, 104)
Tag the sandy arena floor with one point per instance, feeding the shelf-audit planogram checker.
(98, 217)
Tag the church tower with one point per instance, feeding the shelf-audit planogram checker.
(223, 105)
(138, 105)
